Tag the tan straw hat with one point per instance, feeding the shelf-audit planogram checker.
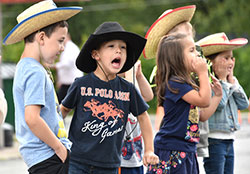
(219, 42)
(38, 16)
(167, 21)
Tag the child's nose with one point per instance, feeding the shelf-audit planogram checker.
(62, 48)
(118, 50)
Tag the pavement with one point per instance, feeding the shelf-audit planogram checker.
(12, 163)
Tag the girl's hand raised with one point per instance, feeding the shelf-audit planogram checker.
(216, 86)
(199, 66)
(230, 76)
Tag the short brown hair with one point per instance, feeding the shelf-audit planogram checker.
(48, 30)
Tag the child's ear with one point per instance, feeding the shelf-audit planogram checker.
(95, 55)
(40, 36)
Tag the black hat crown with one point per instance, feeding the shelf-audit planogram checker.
(108, 27)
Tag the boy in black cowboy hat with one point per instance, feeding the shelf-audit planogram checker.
(102, 101)
(38, 120)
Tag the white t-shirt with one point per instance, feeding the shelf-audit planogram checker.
(3, 107)
(66, 68)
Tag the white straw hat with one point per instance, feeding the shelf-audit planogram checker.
(38, 16)
(167, 21)
(219, 42)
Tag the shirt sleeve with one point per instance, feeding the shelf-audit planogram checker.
(71, 98)
(137, 104)
(182, 88)
(34, 85)
(240, 96)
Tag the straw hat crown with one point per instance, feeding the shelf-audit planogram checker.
(167, 21)
(219, 42)
(36, 8)
(38, 16)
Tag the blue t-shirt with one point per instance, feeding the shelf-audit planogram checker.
(32, 86)
(179, 130)
(100, 117)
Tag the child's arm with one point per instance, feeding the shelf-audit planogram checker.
(202, 97)
(158, 117)
(143, 84)
(141, 80)
(147, 134)
(239, 94)
(230, 76)
(64, 110)
(215, 101)
(40, 129)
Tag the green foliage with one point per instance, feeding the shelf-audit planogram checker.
(12, 53)
(242, 68)
(227, 16)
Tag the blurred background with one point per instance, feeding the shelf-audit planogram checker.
(211, 16)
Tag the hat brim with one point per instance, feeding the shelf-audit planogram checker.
(38, 21)
(163, 25)
(135, 45)
(209, 49)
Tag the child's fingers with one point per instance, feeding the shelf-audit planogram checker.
(214, 78)
(199, 65)
(150, 159)
(212, 86)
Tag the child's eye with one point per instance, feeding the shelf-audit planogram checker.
(110, 45)
(123, 47)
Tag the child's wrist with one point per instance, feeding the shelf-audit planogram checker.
(203, 74)
(59, 146)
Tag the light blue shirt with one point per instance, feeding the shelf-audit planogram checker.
(32, 86)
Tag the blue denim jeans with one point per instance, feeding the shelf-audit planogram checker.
(221, 157)
(79, 168)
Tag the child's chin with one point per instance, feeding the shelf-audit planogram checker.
(117, 71)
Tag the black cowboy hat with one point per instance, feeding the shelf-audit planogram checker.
(106, 32)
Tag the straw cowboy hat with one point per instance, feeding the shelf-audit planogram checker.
(219, 42)
(36, 17)
(167, 21)
(106, 32)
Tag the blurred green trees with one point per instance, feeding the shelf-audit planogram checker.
(211, 16)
